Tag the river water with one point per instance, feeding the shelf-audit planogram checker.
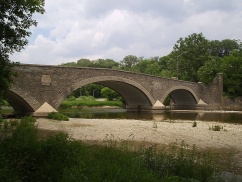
(111, 113)
(104, 113)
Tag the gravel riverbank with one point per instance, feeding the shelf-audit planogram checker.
(158, 132)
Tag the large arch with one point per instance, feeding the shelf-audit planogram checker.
(134, 94)
(181, 96)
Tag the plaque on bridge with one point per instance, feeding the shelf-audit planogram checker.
(46, 80)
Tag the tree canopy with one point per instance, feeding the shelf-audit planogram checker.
(15, 20)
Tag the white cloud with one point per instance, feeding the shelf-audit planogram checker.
(70, 30)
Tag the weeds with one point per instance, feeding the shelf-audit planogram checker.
(194, 124)
(58, 116)
(217, 128)
(24, 157)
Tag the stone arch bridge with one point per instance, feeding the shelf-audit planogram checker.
(40, 89)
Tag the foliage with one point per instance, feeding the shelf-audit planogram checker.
(89, 102)
(190, 54)
(223, 48)
(231, 68)
(99, 63)
(15, 20)
(183, 162)
(93, 90)
(194, 124)
(208, 71)
(58, 116)
(26, 157)
(216, 127)
(129, 61)
(110, 94)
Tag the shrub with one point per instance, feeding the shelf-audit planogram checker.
(194, 124)
(58, 116)
(181, 161)
(216, 128)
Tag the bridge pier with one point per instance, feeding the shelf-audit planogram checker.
(44, 110)
(158, 107)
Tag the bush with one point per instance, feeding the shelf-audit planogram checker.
(58, 116)
(216, 128)
(194, 124)
(24, 157)
(183, 162)
(58, 158)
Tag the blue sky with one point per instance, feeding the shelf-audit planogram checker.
(74, 29)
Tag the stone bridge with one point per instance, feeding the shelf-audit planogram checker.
(40, 89)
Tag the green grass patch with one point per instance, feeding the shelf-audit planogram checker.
(89, 102)
(58, 116)
(26, 157)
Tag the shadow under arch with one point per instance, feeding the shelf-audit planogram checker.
(21, 101)
(182, 97)
(134, 94)
(19, 104)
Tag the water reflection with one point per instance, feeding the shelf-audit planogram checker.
(99, 113)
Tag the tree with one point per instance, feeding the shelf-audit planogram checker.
(208, 71)
(109, 94)
(189, 54)
(105, 63)
(223, 48)
(129, 61)
(15, 20)
(232, 68)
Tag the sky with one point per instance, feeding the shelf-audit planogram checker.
(112, 29)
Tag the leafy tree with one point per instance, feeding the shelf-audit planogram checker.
(147, 66)
(84, 63)
(189, 54)
(232, 68)
(15, 20)
(105, 63)
(109, 94)
(129, 61)
(88, 90)
(223, 48)
(208, 71)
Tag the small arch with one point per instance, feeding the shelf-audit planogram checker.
(181, 96)
(133, 93)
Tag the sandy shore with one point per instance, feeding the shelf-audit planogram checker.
(157, 132)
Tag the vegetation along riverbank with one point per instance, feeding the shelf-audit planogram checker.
(55, 150)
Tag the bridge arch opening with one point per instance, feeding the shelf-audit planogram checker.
(19, 104)
(182, 98)
(133, 94)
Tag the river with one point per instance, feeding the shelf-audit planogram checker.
(104, 113)
(115, 113)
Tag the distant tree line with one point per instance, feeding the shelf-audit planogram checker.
(193, 58)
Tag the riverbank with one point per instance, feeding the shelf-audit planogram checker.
(158, 132)
(227, 140)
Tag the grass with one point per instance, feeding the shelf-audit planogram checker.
(26, 157)
(58, 116)
(88, 101)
